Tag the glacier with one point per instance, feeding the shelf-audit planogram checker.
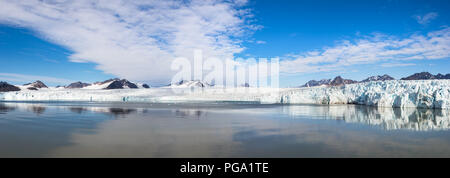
(392, 93)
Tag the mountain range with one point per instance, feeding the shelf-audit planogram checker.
(340, 81)
(426, 76)
(117, 83)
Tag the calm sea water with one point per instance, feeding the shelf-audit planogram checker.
(220, 130)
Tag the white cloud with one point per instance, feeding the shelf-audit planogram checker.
(425, 19)
(136, 40)
(21, 78)
(372, 49)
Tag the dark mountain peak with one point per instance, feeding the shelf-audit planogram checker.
(181, 82)
(246, 85)
(120, 84)
(341, 81)
(386, 76)
(5, 87)
(338, 78)
(106, 81)
(420, 76)
(328, 82)
(145, 85)
(36, 84)
(441, 76)
(77, 85)
(313, 83)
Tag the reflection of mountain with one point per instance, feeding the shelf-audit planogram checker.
(105, 110)
(4, 108)
(121, 111)
(37, 109)
(388, 118)
(190, 113)
(40, 108)
(77, 110)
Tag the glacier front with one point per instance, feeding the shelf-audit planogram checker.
(393, 93)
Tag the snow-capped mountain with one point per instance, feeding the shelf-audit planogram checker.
(121, 84)
(378, 78)
(189, 84)
(114, 84)
(142, 85)
(341, 81)
(313, 83)
(5, 87)
(77, 85)
(35, 85)
(337, 81)
(440, 76)
(426, 76)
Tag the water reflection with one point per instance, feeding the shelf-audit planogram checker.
(120, 111)
(223, 130)
(105, 110)
(387, 118)
(190, 113)
(4, 108)
(38, 109)
(78, 110)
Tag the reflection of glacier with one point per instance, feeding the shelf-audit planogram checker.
(388, 118)
(120, 110)
(396, 93)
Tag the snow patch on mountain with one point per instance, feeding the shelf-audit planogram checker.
(98, 85)
(77, 85)
(378, 78)
(189, 84)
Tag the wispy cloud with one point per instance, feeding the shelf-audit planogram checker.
(425, 19)
(371, 49)
(261, 42)
(21, 78)
(397, 64)
(135, 39)
(51, 60)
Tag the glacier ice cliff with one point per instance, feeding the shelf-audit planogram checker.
(392, 93)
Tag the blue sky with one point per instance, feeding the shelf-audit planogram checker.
(57, 51)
